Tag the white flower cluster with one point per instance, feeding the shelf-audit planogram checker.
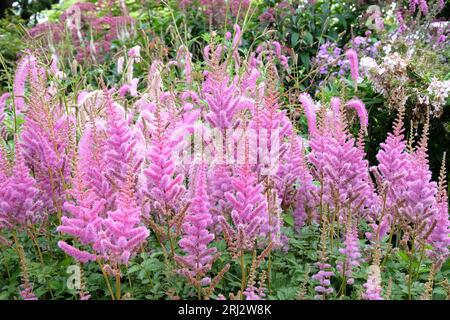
(391, 72)
(438, 92)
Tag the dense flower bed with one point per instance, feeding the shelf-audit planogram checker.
(220, 169)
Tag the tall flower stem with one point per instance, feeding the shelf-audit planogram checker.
(243, 279)
(105, 276)
(118, 293)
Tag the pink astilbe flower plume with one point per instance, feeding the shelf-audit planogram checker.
(77, 254)
(352, 57)
(197, 236)
(164, 185)
(361, 111)
(83, 220)
(91, 161)
(249, 209)
(439, 237)
(393, 162)
(47, 141)
(340, 167)
(310, 111)
(223, 101)
(295, 182)
(124, 233)
(27, 68)
(20, 202)
(351, 254)
(373, 284)
(120, 155)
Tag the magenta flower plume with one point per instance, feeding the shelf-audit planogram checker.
(420, 195)
(219, 181)
(295, 182)
(120, 156)
(361, 110)
(249, 209)
(352, 57)
(26, 68)
(77, 254)
(20, 202)
(310, 111)
(253, 293)
(340, 167)
(164, 186)
(124, 233)
(26, 292)
(351, 254)
(46, 149)
(323, 277)
(393, 162)
(223, 100)
(197, 236)
(373, 284)
(83, 219)
(92, 164)
(439, 237)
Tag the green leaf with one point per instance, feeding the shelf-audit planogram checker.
(309, 39)
(294, 39)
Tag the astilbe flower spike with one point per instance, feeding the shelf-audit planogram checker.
(393, 162)
(123, 234)
(439, 237)
(197, 236)
(323, 276)
(361, 110)
(121, 156)
(310, 111)
(352, 57)
(373, 284)
(164, 186)
(249, 209)
(83, 220)
(20, 202)
(340, 167)
(47, 143)
(351, 253)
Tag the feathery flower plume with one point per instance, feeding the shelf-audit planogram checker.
(352, 57)
(83, 219)
(196, 238)
(249, 209)
(361, 110)
(20, 202)
(123, 232)
(439, 237)
(120, 156)
(310, 111)
(373, 284)
(351, 253)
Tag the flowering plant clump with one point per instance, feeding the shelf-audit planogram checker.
(218, 169)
